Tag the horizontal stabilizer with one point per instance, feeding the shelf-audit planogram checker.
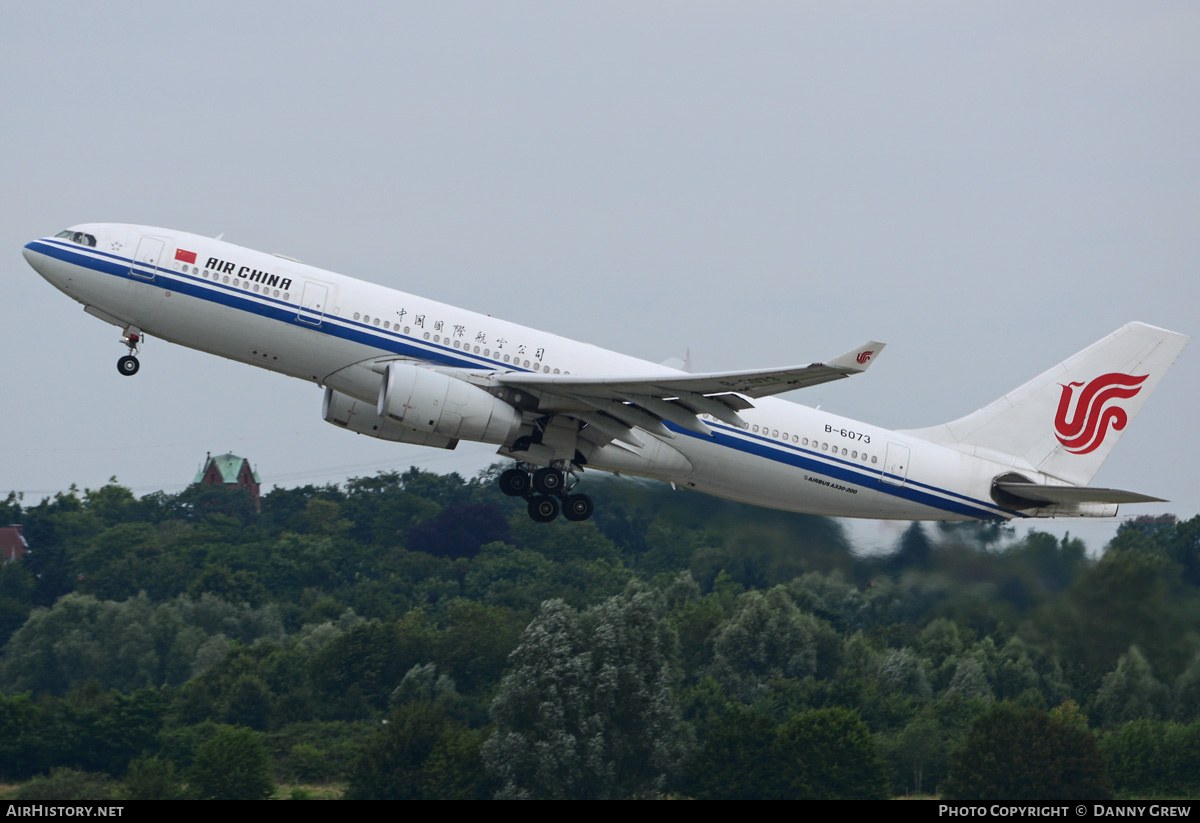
(1047, 495)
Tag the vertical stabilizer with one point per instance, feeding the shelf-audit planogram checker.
(1066, 421)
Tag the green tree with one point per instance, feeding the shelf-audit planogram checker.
(232, 764)
(1122, 601)
(737, 760)
(80, 638)
(151, 778)
(919, 751)
(18, 738)
(67, 784)
(1135, 757)
(1154, 757)
(768, 638)
(419, 754)
(829, 754)
(357, 671)
(1015, 753)
(903, 672)
(587, 709)
(1186, 694)
(1130, 692)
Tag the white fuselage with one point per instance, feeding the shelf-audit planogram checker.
(302, 321)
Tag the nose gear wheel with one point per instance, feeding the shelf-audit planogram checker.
(129, 365)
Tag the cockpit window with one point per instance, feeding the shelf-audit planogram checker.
(78, 237)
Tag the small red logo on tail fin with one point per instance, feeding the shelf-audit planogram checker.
(864, 356)
(1095, 410)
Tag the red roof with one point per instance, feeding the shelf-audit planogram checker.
(12, 544)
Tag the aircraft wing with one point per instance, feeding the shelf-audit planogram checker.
(645, 401)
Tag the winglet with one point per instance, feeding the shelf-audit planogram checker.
(857, 360)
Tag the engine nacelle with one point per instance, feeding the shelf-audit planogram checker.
(437, 403)
(360, 417)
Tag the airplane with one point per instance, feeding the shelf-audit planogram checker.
(407, 369)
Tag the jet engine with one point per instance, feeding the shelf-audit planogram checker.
(437, 403)
(360, 417)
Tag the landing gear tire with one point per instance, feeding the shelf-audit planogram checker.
(577, 507)
(543, 509)
(514, 482)
(128, 365)
(548, 481)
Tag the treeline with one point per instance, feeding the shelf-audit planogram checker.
(411, 635)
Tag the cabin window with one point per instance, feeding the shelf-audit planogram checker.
(426, 335)
(356, 315)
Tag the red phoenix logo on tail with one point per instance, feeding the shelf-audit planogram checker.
(1094, 410)
(864, 356)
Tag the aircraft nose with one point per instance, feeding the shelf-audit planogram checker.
(35, 255)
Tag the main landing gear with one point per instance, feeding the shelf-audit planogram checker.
(546, 489)
(129, 365)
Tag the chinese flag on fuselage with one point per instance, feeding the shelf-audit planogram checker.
(185, 256)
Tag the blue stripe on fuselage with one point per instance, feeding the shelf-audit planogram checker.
(847, 472)
(261, 305)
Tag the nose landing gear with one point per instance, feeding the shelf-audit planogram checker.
(129, 365)
(547, 489)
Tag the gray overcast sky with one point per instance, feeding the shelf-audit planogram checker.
(988, 187)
